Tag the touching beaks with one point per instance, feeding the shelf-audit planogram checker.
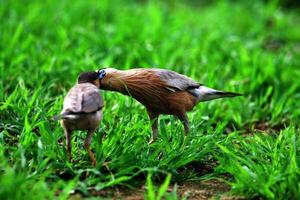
(97, 83)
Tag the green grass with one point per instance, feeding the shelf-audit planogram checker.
(251, 48)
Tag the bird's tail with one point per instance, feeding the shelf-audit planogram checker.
(65, 116)
(206, 94)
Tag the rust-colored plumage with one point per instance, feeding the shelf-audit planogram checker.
(82, 110)
(160, 91)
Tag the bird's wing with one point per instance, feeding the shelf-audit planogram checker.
(83, 98)
(175, 81)
(72, 101)
(92, 100)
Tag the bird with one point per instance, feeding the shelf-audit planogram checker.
(82, 110)
(161, 91)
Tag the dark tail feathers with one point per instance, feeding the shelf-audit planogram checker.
(204, 93)
(227, 94)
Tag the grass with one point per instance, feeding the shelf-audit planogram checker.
(265, 166)
(251, 143)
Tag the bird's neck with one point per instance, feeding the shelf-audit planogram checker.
(122, 81)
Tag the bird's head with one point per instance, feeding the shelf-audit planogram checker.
(107, 75)
(106, 71)
(112, 79)
(90, 77)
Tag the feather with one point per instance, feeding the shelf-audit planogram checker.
(82, 98)
(175, 80)
(206, 94)
(161, 92)
(155, 89)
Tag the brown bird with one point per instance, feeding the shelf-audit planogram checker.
(160, 91)
(82, 110)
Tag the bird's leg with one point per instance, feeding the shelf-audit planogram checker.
(185, 121)
(154, 123)
(68, 143)
(87, 143)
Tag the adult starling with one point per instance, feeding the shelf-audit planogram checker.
(161, 91)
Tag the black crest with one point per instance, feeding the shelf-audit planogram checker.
(88, 77)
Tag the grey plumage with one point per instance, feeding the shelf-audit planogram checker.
(82, 98)
(176, 80)
(203, 93)
(82, 110)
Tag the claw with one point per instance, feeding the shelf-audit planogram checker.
(151, 141)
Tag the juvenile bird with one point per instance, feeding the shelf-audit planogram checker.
(160, 91)
(82, 110)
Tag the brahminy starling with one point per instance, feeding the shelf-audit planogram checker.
(82, 110)
(161, 91)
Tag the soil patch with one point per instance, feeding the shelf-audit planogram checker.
(190, 190)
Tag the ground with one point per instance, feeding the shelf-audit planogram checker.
(189, 190)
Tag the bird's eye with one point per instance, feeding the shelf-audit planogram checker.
(101, 74)
(99, 70)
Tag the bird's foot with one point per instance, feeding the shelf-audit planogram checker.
(94, 162)
(151, 141)
(70, 158)
(92, 158)
(184, 138)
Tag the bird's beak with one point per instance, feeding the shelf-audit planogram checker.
(97, 82)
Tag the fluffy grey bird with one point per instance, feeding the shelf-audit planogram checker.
(161, 91)
(82, 110)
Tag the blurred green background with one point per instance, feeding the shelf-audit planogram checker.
(251, 47)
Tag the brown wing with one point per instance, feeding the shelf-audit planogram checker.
(84, 98)
(175, 81)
